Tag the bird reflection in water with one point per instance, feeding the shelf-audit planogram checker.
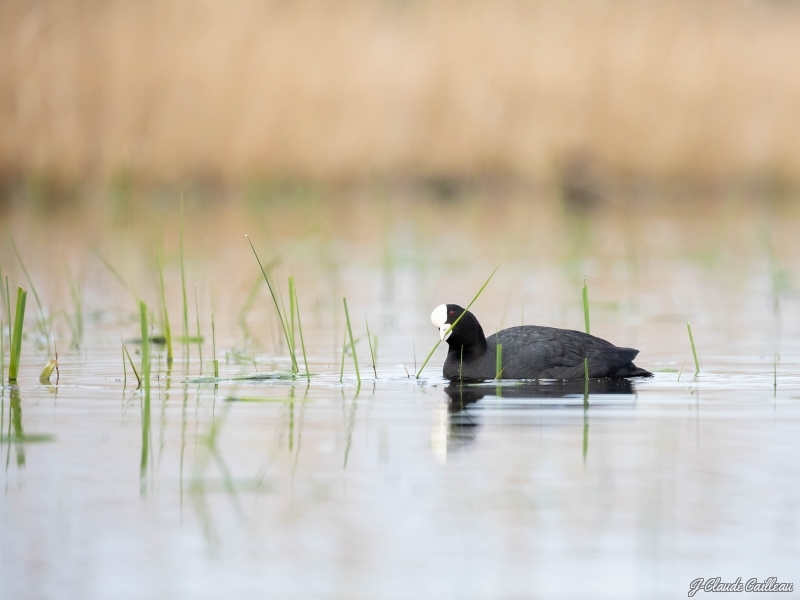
(575, 393)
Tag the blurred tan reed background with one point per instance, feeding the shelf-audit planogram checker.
(340, 90)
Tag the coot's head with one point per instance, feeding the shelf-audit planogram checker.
(466, 332)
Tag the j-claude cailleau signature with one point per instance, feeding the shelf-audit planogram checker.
(715, 584)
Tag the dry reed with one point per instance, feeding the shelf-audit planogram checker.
(158, 90)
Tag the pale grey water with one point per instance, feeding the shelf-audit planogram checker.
(389, 491)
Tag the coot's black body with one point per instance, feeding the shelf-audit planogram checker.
(529, 351)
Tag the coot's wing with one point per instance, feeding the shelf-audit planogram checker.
(549, 353)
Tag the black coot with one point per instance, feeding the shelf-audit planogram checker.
(529, 351)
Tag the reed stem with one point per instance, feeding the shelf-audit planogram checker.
(498, 369)
(2, 355)
(344, 353)
(352, 342)
(586, 306)
(694, 351)
(42, 320)
(16, 341)
(183, 287)
(164, 313)
(133, 366)
(292, 310)
(199, 335)
(277, 306)
(8, 312)
(371, 350)
(214, 360)
(300, 330)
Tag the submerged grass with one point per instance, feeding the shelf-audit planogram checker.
(51, 365)
(16, 339)
(694, 351)
(449, 329)
(266, 376)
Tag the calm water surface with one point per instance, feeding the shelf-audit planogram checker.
(404, 488)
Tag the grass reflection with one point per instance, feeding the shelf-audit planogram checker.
(350, 420)
(14, 435)
(146, 400)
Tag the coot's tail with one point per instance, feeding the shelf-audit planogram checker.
(631, 370)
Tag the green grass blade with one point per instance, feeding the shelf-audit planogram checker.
(16, 340)
(371, 351)
(109, 267)
(775, 360)
(133, 366)
(214, 360)
(145, 345)
(344, 353)
(498, 368)
(586, 306)
(300, 330)
(8, 311)
(480, 291)
(249, 302)
(274, 300)
(42, 320)
(75, 292)
(183, 285)
(352, 343)
(164, 313)
(2, 353)
(694, 351)
(2, 295)
(292, 309)
(292, 355)
(199, 335)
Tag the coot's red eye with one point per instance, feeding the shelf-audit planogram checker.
(452, 313)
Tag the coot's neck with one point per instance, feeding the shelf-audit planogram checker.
(473, 343)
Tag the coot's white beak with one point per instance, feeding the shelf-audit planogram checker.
(438, 318)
